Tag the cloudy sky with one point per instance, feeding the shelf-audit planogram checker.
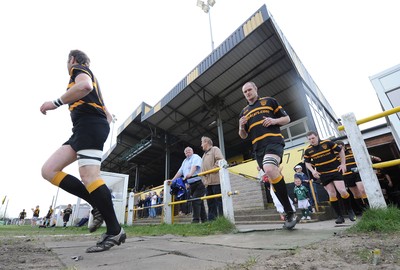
(140, 50)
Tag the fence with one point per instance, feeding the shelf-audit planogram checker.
(167, 213)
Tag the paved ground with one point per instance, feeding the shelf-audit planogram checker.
(210, 252)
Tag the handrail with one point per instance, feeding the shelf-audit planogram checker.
(374, 117)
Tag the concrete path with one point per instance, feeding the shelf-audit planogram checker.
(207, 252)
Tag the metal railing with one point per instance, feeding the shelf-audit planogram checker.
(362, 157)
(168, 204)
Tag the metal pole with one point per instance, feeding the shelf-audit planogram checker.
(220, 133)
(114, 119)
(131, 205)
(211, 34)
(5, 211)
(55, 202)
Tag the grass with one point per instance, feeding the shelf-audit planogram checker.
(219, 226)
(247, 265)
(373, 221)
(378, 221)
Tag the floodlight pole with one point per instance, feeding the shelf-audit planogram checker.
(113, 120)
(206, 7)
(211, 34)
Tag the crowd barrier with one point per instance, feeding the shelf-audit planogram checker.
(168, 204)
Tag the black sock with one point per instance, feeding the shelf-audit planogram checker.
(347, 204)
(281, 192)
(72, 185)
(101, 197)
(336, 207)
(359, 203)
(365, 202)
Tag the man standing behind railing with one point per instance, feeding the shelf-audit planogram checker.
(211, 181)
(190, 167)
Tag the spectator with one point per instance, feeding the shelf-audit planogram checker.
(160, 200)
(191, 166)
(211, 181)
(47, 218)
(22, 216)
(301, 197)
(66, 215)
(35, 216)
(180, 193)
(140, 205)
(153, 203)
(305, 181)
(83, 220)
(147, 204)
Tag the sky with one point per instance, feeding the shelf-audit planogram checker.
(140, 50)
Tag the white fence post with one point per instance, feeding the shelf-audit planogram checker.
(167, 213)
(131, 205)
(363, 160)
(227, 202)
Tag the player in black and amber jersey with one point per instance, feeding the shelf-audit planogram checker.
(91, 126)
(262, 119)
(352, 178)
(322, 159)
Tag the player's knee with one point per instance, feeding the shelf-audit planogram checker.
(46, 172)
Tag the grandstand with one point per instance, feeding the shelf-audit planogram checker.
(208, 100)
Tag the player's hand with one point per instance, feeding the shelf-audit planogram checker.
(268, 121)
(47, 106)
(316, 174)
(242, 121)
(342, 168)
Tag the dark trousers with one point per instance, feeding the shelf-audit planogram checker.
(214, 205)
(198, 190)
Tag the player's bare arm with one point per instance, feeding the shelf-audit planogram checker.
(83, 85)
(342, 167)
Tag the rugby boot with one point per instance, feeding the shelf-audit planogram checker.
(339, 220)
(108, 241)
(352, 215)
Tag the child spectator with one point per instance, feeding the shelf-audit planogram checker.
(305, 181)
(301, 197)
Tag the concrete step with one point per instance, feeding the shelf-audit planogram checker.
(250, 206)
(248, 216)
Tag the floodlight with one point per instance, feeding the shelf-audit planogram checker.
(211, 2)
(200, 3)
(205, 8)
